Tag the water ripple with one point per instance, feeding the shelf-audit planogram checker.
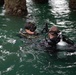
(59, 8)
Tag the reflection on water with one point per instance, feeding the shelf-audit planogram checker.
(61, 11)
(59, 8)
(2, 12)
(19, 56)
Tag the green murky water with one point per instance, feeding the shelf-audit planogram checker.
(19, 56)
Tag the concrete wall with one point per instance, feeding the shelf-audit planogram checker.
(41, 1)
(16, 7)
(72, 4)
(1, 2)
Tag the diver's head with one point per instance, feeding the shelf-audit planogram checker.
(53, 32)
(54, 29)
(30, 27)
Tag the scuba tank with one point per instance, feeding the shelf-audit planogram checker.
(62, 45)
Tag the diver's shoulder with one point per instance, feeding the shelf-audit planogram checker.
(24, 34)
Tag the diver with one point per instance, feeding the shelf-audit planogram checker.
(54, 38)
(29, 30)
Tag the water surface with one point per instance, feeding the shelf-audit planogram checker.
(20, 56)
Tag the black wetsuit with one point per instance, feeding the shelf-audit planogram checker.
(23, 34)
(50, 44)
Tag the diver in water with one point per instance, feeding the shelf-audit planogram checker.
(50, 43)
(29, 30)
